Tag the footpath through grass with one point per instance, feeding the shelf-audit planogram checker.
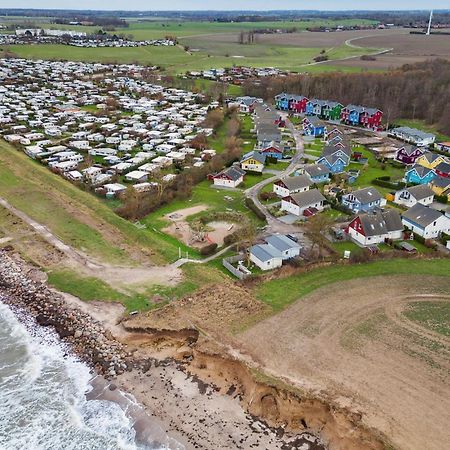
(280, 293)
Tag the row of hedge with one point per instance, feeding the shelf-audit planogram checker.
(250, 204)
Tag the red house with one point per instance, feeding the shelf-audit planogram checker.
(443, 170)
(371, 118)
(297, 103)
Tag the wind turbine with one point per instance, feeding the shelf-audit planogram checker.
(429, 23)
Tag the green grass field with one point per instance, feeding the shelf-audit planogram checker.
(280, 293)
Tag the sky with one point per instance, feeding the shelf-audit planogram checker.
(148, 5)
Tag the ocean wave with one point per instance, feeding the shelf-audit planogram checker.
(43, 389)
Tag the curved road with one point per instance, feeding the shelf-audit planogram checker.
(275, 225)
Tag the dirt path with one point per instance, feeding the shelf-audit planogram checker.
(112, 274)
(352, 343)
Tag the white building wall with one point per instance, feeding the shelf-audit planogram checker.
(267, 265)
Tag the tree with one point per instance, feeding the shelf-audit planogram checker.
(315, 228)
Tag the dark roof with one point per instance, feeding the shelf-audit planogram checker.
(298, 182)
(421, 215)
(392, 219)
(381, 222)
(420, 191)
(421, 170)
(443, 167)
(441, 182)
(314, 170)
(366, 195)
(307, 198)
(233, 172)
(255, 155)
(409, 149)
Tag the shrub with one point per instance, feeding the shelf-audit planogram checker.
(208, 249)
(250, 204)
(441, 199)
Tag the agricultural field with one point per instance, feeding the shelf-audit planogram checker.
(361, 349)
(213, 45)
(404, 48)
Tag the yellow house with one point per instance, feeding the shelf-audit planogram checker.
(253, 162)
(441, 186)
(430, 160)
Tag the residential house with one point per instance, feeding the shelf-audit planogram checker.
(304, 203)
(318, 173)
(408, 154)
(425, 221)
(419, 175)
(314, 107)
(441, 186)
(312, 126)
(265, 256)
(431, 160)
(282, 101)
(137, 176)
(273, 150)
(363, 200)
(409, 196)
(253, 162)
(247, 104)
(297, 104)
(291, 185)
(361, 115)
(331, 111)
(413, 136)
(278, 248)
(335, 158)
(231, 177)
(286, 246)
(443, 170)
(375, 227)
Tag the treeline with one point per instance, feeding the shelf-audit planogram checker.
(414, 91)
(136, 205)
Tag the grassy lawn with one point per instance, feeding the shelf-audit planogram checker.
(280, 165)
(432, 315)
(340, 247)
(80, 218)
(93, 289)
(282, 292)
(374, 169)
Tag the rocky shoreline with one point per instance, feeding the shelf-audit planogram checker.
(189, 413)
(89, 340)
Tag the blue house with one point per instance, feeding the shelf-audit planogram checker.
(282, 101)
(318, 173)
(351, 114)
(272, 151)
(363, 200)
(419, 175)
(312, 126)
(335, 164)
(335, 158)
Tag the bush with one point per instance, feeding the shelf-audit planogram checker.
(250, 204)
(208, 249)
(441, 199)
(267, 196)
(384, 182)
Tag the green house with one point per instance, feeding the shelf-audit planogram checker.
(332, 111)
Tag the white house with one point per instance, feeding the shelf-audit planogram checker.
(421, 193)
(230, 177)
(137, 176)
(425, 221)
(285, 245)
(291, 185)
(375, 227)
(303, 203)
(265, 256)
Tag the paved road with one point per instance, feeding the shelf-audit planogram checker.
(275, 225)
